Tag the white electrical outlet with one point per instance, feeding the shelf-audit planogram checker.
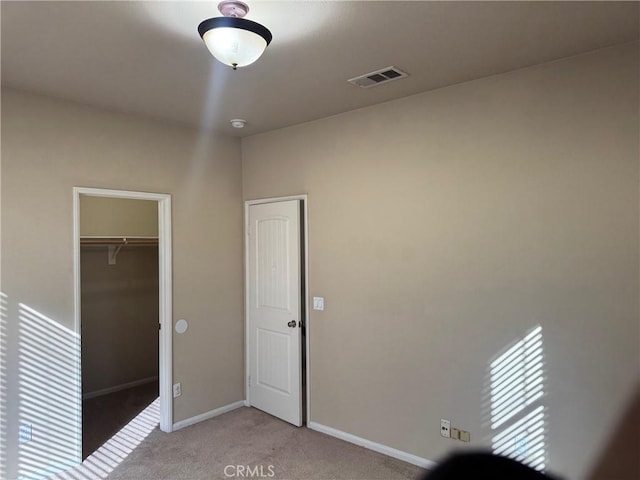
(177, 390)
(445, 428)
(24, 433)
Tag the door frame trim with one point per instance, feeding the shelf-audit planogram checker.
(165, 282)
(305, 294)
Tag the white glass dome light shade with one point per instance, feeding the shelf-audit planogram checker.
(234, 47)
(236, 42)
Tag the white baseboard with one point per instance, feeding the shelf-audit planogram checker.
(376, 447)
(207, 415)
(117, 388)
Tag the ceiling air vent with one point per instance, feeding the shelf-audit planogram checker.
(378, 77)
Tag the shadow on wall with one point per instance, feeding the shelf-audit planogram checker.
(620, 458)
(3, 385)
(514, 401)
(49, 396)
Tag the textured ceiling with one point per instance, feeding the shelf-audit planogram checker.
(147, 58)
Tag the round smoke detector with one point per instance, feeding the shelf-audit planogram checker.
(238, 123)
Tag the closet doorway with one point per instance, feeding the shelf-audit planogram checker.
(123, 308)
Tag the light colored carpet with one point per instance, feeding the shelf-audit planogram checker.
(247, 437)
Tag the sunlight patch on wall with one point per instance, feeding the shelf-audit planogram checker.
(49, 396)
(3, 385)
(200, 158)
(517, 387)
(103, 461)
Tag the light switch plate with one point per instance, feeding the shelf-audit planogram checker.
(318, 303)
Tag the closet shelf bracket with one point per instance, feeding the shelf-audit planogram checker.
(113, 251)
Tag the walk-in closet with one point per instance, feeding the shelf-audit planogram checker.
(119, 313)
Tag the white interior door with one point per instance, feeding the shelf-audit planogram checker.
(274, 313)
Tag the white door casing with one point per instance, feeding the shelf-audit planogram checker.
(165, 292)
(274, 309)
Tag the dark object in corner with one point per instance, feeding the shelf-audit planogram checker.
(462, 466)
(620, 459)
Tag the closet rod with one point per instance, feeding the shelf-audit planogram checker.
(119, 241)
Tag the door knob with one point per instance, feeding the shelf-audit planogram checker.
(292, 324)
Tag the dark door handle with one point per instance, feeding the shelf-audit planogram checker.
(292, 324)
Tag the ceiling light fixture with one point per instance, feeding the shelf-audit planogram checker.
(232, 39)
(238, 123)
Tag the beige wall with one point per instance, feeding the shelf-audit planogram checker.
(118, 217)
(119, 306)
(443, 226)
(50, 146)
